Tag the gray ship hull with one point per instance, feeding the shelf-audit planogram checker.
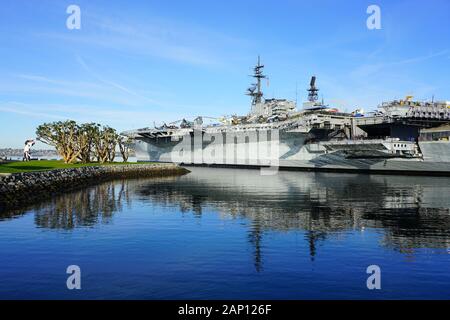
(290, 152)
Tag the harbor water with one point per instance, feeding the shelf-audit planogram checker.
(234, 234)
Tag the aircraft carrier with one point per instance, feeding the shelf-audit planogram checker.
(401, 137)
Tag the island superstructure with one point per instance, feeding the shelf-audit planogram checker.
(401, 136)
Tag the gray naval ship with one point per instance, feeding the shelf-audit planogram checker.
(401, 137)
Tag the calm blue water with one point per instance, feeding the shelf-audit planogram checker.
(232, 234)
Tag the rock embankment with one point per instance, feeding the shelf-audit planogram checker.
(20, 189)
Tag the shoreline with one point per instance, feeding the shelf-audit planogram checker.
(21, 189)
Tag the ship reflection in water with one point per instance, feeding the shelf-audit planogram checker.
(225, 233)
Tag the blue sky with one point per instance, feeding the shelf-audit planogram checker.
(138, 62)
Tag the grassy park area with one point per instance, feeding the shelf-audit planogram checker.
(39, 165)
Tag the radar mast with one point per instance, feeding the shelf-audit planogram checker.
(255, 90)
(313, 95)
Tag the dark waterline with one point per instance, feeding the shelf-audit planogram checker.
(233, 233)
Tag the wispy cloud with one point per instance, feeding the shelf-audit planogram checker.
(111, 83)
(98, 94)
(33, 77)
(56, 82)
(85, 113)
(101, 90)
(89, 113)
(168, 40)
(19, 108)
(366, 70)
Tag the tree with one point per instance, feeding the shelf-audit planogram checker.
(105, 142)
(87, 133)
(125, 144)
(113, 140)
(80, 142)
(64, 136)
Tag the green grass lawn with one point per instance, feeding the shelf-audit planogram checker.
(39, 165)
